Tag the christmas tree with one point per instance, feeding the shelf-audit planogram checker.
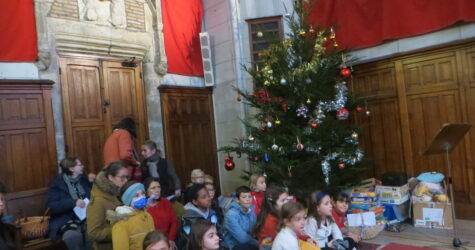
(299, 135)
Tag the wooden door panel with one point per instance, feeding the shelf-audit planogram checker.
(89, 144)
(24, 159)
(21, 109)
(427, 114)
(124, 91)
(381, 139)
(430, 72)
(84, 91)
(189, 130)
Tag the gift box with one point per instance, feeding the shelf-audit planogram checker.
(393, 195)
(397, 212)
(432, 214)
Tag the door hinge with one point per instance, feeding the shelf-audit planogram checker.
(140, 75)
(60, 70)
(66, 148)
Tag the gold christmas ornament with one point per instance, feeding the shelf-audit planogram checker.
(354, 135)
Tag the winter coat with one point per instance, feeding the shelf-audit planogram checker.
(257, 201)
(119, 146)
(164, 170)
(61, 204)
(103, 197)
(238, 226)
(130, 230)
(192, 214)
(164, 218)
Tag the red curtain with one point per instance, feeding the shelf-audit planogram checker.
(364, 23)
(18, 41)
(181, 27)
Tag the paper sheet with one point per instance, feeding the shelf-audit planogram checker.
(433, 214)
(356, 220)
(81, 211)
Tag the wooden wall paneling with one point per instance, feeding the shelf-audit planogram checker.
(382, 138)
(189, 130)
(27, 142)
(82, 109)
(467, 58)
(428, 112)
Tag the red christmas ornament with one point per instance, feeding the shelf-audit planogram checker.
(358, 108)
(290, 174)
(284, 106)
(263, 128)
(345, 72)
(299, 145)
(229, 163)
(314, 124)
(341, 165)
(256, 158)
(342, 114)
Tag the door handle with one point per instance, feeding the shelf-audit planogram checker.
(106, 103)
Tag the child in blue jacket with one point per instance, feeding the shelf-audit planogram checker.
(239, 221)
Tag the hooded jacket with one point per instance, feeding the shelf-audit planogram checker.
(129, 230)
(103, 197)
(238, 225)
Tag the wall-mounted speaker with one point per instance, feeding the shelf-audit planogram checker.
(206, 57)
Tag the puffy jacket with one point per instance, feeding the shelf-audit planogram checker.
(238, 225)
(103, 197)
(128, 232)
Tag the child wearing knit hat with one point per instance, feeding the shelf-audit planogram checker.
(130, 222)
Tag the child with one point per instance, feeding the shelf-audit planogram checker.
(156, 240)
(130, 222)
(239, 221)
(197, 176)
(320, 224)
(214, 201)
(340, 205)
(257, 183)
(292, 222)
(204, 236)
(199, 207)
(267, 220)
(208, 179)
(155, 166)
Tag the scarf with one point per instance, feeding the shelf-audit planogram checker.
(74, 187)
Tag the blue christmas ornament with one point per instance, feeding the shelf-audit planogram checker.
(266, 158)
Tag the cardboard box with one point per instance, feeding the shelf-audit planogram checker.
(432, 214)
(393, 195)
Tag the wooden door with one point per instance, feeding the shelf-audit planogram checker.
(189, 131)
(96, 95)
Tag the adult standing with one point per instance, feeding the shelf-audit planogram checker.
(104, 195)
(68, 190)
(119, 146)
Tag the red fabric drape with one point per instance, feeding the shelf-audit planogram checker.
(364, 23)
(181, 27)
(18, 41)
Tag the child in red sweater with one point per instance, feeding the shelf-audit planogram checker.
(267, 223)
(161, 210)
(257, 183)
(341, 203)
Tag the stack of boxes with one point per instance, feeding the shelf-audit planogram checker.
(395, 201)
(365, 199)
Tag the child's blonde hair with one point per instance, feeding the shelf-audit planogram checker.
(196, 172)
(209, 179)
(253, 181)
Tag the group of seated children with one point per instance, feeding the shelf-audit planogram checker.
(121, 212)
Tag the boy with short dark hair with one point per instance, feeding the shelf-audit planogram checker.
(239, 221)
